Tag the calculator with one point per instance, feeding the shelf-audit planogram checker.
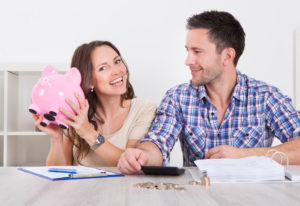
(160, 170)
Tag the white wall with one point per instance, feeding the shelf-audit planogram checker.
(150, 35)
(297, 72)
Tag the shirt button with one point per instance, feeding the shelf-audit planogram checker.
(191, 134)
(212, 114)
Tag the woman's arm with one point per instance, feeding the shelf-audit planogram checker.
(61, 152)
(60, 147)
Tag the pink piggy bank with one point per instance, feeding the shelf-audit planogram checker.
(50, 93)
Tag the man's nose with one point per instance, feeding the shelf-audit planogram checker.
(190, 59)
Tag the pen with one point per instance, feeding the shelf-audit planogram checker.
(98, 174)
(63, 170)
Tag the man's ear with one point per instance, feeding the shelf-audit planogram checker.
(228, 55)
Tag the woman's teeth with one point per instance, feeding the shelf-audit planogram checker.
(117, 82)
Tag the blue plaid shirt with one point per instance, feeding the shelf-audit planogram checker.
(256, 114)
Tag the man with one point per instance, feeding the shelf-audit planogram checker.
(221, 113)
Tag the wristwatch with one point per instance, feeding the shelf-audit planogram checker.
(99, 141)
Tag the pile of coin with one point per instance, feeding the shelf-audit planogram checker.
(159, 186)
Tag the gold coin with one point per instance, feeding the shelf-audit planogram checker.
(194, 183)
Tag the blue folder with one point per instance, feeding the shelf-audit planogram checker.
(82, 172)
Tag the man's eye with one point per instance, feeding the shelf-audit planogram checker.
(118, 61)
(197, 52)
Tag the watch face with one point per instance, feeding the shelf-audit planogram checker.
(100, 138)
(98, 142)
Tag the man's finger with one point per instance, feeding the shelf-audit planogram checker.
(211, 152)
(217, 155)
(142, 159)
(132, 159)
(123, 164)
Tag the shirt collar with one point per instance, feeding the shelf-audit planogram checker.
(238, 92)
(240, 87)
(199, 90)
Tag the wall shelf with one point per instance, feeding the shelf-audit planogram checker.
(20, 143)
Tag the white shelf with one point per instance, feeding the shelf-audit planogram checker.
(31, 67)
(1, 100)
(26, 133)
(20, 144)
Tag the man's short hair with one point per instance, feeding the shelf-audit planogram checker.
(224, 30)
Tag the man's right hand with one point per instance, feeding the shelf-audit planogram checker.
(131, 160)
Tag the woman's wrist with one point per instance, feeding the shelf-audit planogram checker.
(90, 137)
(56, 140)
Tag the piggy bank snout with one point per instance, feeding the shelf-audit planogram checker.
(34, 109)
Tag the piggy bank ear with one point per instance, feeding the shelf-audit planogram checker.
(75, 75)
(49, 70)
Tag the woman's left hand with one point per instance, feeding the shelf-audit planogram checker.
(79, 121)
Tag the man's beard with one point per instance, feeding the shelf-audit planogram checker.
(206, 77)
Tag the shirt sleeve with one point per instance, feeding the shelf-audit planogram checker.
(166, 127)
(282, 117)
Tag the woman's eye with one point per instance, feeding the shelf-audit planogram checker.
(118, 61)
(102, 68)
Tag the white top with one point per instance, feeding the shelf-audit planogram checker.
(135, 126)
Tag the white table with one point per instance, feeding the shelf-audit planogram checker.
(20, 188)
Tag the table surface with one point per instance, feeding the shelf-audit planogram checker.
(21, 188)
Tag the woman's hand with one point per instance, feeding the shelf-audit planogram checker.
(79, 121)
(53, 130)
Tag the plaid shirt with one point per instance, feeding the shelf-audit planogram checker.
(256, 114)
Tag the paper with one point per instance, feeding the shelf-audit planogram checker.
(293, 173)
(82, 171)
(248, 169)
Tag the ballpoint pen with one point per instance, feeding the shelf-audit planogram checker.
(63, 170)
(98, 174)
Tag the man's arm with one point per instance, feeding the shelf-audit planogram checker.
(284, 122)
(291, 149)
(155, 147)
(147, 153)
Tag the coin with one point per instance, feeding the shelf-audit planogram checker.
(194, 183)
(159, 186)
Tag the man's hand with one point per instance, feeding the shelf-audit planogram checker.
(225, 151)
(131, 160)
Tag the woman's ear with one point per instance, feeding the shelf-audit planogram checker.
(91, 89)
(228, 55)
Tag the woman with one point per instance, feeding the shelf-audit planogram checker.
(109, 120)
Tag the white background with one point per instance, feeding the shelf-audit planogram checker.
(150, 36)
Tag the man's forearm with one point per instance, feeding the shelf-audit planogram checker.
(291, 149)
(153, 152)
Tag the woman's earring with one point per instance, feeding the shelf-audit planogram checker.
(91, 90)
